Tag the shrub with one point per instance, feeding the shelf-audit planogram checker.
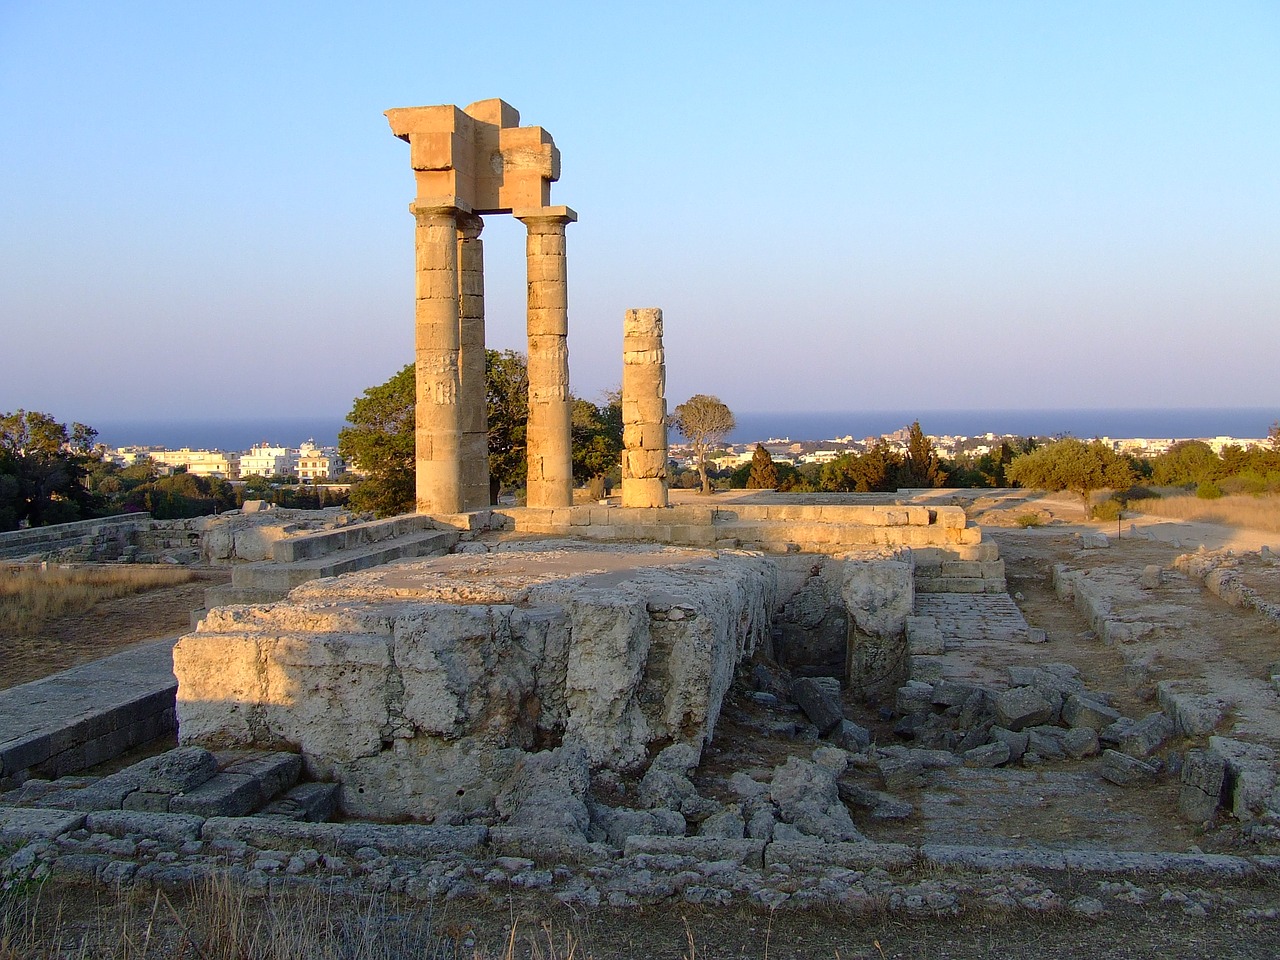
(1025, 520)
(1109, 509)
(1208, 490)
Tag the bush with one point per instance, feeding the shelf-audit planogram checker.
(1025, 520)
(1109, 509)
(1208, 490)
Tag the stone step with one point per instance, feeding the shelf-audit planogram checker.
(268, 580)
(188, 780)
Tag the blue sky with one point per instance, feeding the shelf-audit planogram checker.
(839, 206)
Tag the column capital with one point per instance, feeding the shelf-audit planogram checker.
(439, 207)
(470, 225)
(530, 215)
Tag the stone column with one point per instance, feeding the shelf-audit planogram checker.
(475, 420)
(644, 410)
(437, 414)
(550, 450)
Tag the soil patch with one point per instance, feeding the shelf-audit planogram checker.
(109, 627)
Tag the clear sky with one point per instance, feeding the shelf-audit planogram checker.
(839, 206)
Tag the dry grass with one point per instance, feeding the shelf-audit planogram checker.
(1255, 513)
(219, 920)
(30, 596)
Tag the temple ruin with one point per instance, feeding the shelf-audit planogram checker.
(468, 163)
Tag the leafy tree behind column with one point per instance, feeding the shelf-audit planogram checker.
(704, 421)
(380, 442)
(764, 474)
(597, 440)
(507, 398)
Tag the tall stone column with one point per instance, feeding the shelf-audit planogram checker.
(550, 450)
(644, 410)
(437, 413)
(475, 419)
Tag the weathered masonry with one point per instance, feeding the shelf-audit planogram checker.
(468, 163)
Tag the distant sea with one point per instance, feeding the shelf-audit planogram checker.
(1181, 424)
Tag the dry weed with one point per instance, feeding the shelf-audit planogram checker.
(1256, 513)
(30, 596)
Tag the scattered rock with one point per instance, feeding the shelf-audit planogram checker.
(1126, 771)
(988, 755)
(823, 709)
(1020, 707)
(1146, 736)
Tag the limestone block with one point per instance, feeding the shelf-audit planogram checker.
(1250, 775)
(608, 651)
(1203, 775)
(1080, 710)
(878, 593)
(821, 707)
(1020, 707)
(1146, 736)
(1126, 771)
(808, 798)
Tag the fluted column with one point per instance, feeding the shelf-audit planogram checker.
(475, 419)
(437, 412)
(550, 450)
(644, 410)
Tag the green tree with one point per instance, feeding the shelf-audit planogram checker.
(704, 421)
(379, 441)
(921, 468)
(1187, 462)
(43, 466)
(597, 440)
(877, 470)
(764, 474)
(507, 402)
(1071, 464)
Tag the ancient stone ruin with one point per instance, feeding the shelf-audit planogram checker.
(638, 701)
(468, 163)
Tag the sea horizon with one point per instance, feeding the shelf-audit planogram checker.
(236, 434)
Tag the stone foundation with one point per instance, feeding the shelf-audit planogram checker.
(421, 687)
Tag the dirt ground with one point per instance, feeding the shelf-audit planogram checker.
(109, 627)
(526, 925)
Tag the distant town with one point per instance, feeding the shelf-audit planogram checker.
(309, 463)
(798, 453)
(306, 463)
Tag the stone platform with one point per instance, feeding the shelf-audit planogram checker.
(86, 715)
(421, 686)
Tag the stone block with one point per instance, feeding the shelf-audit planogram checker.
(22, 825)
(1202, 779)
(855, 855)
(165, 827)
(1080, 710)
(850, 736)
(915, 696)
(1250, 776)
(988, 755)
(1126, 771)
(1020, 707)
(312, 802)
(1146, 736)
(901, 773)
(819, 705)
(1016, 741)
(275, 772)
(226, 795)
